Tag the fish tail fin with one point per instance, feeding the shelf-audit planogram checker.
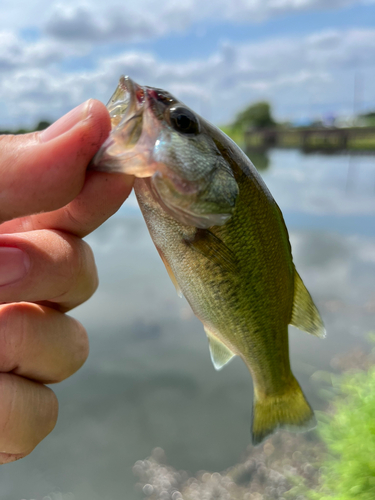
(289, 411)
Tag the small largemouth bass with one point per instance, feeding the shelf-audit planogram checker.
(223, 240)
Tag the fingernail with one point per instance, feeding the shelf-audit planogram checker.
(14, 264)
(66, 122)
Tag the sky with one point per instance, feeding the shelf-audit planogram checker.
(308, 58)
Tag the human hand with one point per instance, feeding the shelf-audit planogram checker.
(48, 202)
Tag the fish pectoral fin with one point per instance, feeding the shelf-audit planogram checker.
(305, 315)
(220, 354)
(213, 248)
(170, 273)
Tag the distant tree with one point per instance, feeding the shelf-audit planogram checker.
(43, 124)
(368, 119)
(256, 115)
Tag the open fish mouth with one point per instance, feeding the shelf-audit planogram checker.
(126, 101)
(129, 145)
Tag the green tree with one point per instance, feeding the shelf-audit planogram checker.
(256, 115)
(43, 124)
(368, 119)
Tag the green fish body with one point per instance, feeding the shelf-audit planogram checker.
(224, 243)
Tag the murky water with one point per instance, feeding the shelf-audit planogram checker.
(149, 379)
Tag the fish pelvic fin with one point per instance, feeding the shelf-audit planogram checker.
(289, 411)
(220, 353)
(305, 315)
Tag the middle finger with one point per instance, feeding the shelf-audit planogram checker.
(46, 265)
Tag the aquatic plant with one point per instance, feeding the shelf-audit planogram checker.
(348, 469)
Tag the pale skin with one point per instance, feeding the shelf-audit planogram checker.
(48, 203)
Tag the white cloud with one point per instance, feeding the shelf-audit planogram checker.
(15, 53)
(291, 72)
(84, 23)
(98, 22)
(258, 10)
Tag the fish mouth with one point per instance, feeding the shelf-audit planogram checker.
(127, 100)
(128, 148)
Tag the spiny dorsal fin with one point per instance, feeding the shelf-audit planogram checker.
(305, 315)
(220, 354)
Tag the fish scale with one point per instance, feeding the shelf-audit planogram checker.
(224, 243)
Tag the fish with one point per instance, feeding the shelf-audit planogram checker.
(222, 239)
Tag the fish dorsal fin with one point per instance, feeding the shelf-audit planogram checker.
(305, 315)
(220, 354)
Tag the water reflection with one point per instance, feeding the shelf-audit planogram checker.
(149, 380)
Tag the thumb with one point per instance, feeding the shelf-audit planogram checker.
(44, 171)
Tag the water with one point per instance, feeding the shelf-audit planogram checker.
(149, 380)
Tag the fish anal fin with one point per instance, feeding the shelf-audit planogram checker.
(305, 315)
(220, 353)
(170, 273)
(289, 411)
(213, 248)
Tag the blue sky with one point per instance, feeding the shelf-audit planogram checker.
(215, 55)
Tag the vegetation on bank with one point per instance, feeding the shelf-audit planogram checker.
(348, 431)
(368, 119)
(336, 463)
(43, 124)
(255, 129)
(258, 118)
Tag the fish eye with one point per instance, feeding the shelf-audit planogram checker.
(184, 121)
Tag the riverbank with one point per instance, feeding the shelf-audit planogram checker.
(289, 466)
(307, 139)
(313, 138)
